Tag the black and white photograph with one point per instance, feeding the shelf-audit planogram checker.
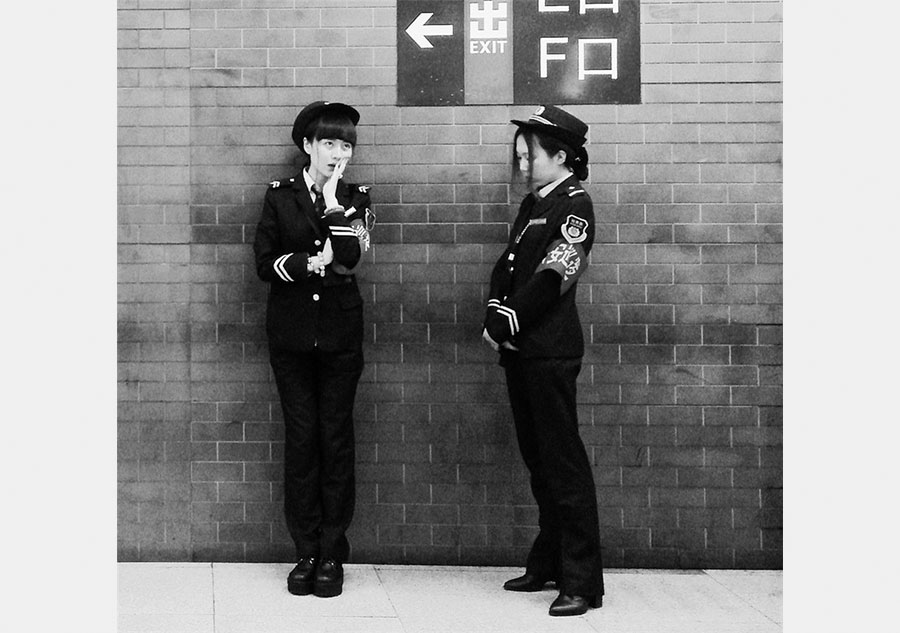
(439, 316)
(449, 315)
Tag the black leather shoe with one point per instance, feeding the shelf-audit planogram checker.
(300, 580)
(528, 582)
(573, 605)
(329, 580)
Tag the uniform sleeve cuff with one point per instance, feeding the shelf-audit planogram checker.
(291, 266)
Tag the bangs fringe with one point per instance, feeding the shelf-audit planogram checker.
(330, 126)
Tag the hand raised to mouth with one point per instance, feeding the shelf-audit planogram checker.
(330, 188)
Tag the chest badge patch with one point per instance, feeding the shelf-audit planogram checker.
(575, 229)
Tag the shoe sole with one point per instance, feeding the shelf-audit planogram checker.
(300, 588)
(551, 583)
(592, 603)
(328, 591)
(571, 612)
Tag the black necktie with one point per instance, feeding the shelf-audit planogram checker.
(319, 203)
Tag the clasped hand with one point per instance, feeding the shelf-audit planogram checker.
(496, 346)
(320, 260)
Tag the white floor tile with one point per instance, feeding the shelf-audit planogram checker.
(255, 589)
(686, 625)
(364, 625)
(470, 600)
(763, 589)
(261, 623)
(672, 602)
(165, 623)
(165, 588)
(253, 598)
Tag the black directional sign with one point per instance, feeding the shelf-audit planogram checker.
(431, 52)
(455, 52)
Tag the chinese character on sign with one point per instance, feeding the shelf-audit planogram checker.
(487, 31)
(488, 15)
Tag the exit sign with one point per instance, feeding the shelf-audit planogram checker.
(458, 52)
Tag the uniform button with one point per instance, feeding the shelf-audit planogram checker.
(315, 297)
(318, 243)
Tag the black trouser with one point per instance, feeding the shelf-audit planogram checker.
(567, 548)
(317, 390)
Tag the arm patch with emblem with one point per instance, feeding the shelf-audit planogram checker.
(574, 230)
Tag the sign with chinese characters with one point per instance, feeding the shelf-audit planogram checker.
(458, 52)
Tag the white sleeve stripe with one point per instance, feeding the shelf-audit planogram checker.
(511, 316)
(277, 269)
(280, 269)
(515, 318)
(342, 230)
(493, 303)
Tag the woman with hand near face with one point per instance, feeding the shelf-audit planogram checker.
(532, 322)
(309, 241)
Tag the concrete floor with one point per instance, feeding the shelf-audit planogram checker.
(253, 598)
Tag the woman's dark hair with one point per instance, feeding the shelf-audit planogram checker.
(331, 126)
(576, 160)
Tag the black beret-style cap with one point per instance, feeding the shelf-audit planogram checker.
(315, 109)
(556, 122)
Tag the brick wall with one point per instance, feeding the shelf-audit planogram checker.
(680, 393)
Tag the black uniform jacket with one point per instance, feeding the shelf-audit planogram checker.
(531, 303)
(306, 310)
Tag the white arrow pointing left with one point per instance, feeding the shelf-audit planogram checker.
(418, 30)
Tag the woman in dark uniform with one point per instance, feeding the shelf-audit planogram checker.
(533, 323)
(309, 240)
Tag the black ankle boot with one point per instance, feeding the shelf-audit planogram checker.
(573, 605)
(329, 580)
(300, 580)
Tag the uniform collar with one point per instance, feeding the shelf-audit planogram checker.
(340, 190)
(544, 191)
(310, 183)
